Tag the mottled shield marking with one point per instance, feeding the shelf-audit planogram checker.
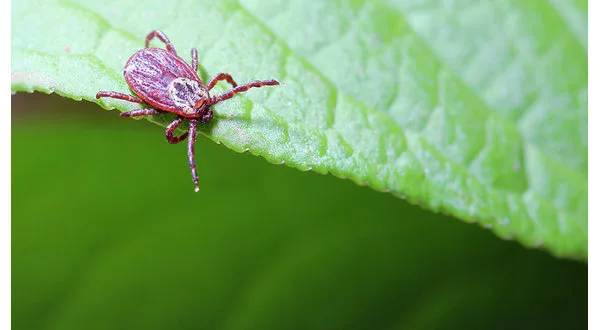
(187, 94)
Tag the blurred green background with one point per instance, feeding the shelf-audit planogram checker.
(107, 233)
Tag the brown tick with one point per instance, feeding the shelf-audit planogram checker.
(166, 82)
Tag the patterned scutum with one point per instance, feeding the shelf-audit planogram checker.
(188, 95)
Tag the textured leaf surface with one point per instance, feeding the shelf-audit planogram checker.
(478, 109)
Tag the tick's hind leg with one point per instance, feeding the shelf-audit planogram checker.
(158, 34)
(242, 88)
(171, 128)
(195, 59)
(218, 77)
(139, 112)
(120, 96)
(191, 142)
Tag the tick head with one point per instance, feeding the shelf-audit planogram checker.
(202, 109)
(206, 115)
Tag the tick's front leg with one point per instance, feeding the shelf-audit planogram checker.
(191, 142)
(242, 88)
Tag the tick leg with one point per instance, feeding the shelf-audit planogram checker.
(120, 96)
(195, 59)
(218, 77)
(242, 88)
(191, 142)
(158, 34)
(139, 112)
(171, 128)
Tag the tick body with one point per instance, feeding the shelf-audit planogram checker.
(164, 81)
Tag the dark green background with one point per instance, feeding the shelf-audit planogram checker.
(108, 234)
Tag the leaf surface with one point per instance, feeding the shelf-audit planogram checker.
(477, 109)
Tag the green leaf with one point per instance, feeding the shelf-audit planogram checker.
(477, 109)
(107, 235)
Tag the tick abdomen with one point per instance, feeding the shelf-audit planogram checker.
(150, 71)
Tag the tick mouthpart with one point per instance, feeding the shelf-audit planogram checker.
(199, 103)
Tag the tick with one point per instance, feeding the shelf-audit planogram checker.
(167, 83)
